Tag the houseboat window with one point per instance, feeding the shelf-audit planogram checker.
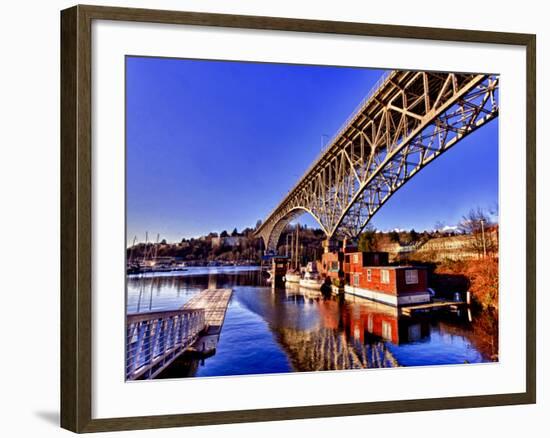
(356, 279)
(375, 259)
(411, 276)
(334, 266)
(369, 275)
(384, 276)
(386, 330)
(355, 258)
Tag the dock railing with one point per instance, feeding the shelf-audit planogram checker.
(155, 339)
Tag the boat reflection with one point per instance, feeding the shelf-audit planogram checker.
(332, 334)
(279, 330)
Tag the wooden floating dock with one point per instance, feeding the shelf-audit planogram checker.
(214, 302)
(155, 339)
(436, 305)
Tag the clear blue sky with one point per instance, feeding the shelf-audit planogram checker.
(216, 145)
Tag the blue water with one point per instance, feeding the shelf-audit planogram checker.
(288, 330)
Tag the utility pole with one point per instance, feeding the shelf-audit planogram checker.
(483, 238)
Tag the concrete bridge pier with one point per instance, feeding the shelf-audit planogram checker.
(279, 266)
(331, 245)
(335, 245)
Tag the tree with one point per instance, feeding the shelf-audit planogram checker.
(413, 235)
(394, 236)
(224, 234)
(258, 223)
(368, 240)
(235, 232)
(477, 223)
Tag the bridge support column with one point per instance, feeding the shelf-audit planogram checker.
(331, 245)
(349, 245)
(279, 267)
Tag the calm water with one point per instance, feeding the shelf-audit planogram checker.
(294, 329)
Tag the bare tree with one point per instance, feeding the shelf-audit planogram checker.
(478, 224)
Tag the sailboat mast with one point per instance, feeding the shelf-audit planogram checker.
(129, 261)
(156, 247)
(145, 250)
(297, 246)
(291, 249)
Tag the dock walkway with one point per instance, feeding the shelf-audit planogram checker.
(214, 302)
(155, 339)
(435, 305)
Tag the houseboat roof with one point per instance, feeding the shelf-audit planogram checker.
(355, 251)
(395, 267)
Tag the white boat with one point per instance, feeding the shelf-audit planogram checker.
(292, 277)
(312, 279)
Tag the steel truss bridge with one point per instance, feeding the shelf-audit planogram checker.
(407, 121)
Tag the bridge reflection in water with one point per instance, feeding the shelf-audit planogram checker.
(287, 330)
(340, 334)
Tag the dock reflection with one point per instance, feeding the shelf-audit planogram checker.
(278, 330)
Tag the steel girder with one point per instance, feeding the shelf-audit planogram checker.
(410, 120)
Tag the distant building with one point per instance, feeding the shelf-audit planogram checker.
(451, 247)
(231, 241)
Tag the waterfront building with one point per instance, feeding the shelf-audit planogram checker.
(332, 265)
(368, 275)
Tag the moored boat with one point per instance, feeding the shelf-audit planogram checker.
(312, 279)
(292, 276)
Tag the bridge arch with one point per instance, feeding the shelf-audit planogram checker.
(272, 234)
(406, 123)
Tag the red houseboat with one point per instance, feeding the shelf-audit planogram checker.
(368, 275)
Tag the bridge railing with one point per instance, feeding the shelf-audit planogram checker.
(155, 339)
(358, 109)
(334, 138)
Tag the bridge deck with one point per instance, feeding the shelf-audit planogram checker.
(409, 119)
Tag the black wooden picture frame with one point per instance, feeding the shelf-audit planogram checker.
(76, 217)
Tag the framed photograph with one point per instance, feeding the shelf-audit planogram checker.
(270, 218)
